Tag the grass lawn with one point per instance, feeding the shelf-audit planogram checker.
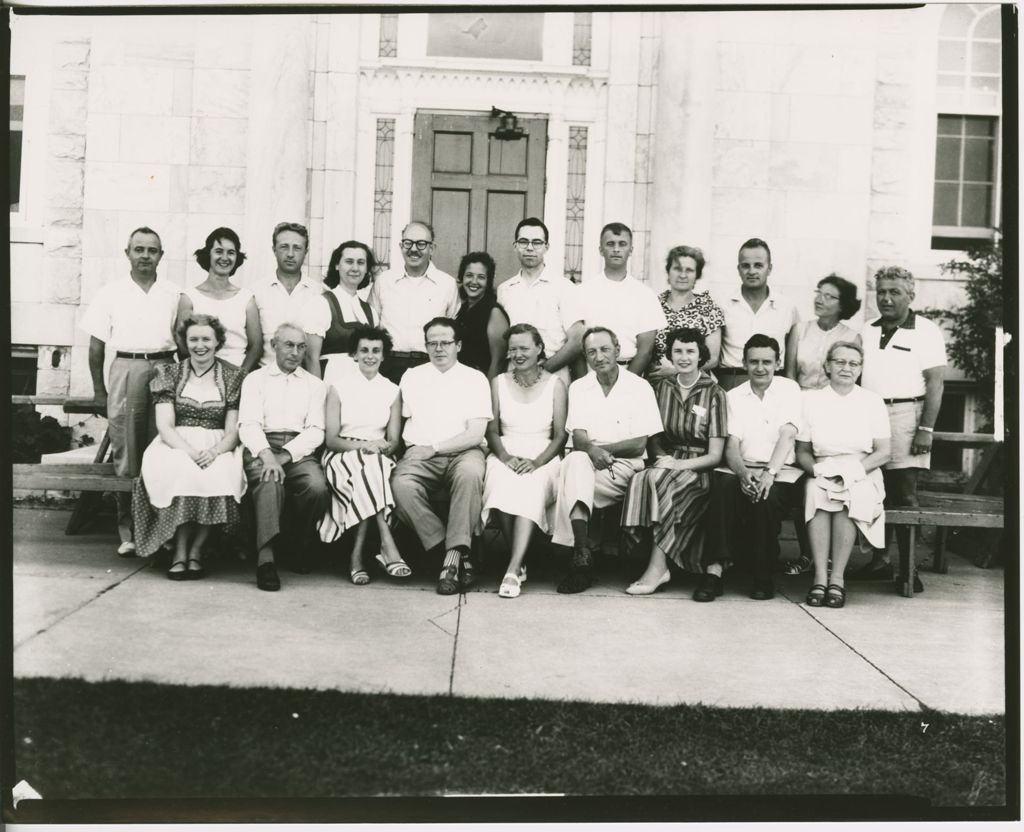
(78, 740)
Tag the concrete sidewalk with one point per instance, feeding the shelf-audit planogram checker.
(82, 612)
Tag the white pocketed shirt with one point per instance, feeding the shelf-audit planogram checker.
(404, 304)
(438, 406)
(273, 400)
(129, 319)
(550, 302)
(627, 307)
(896, 371)
(847, 424)
(629, 410)
(775, 317)
(757, 422)
(304, 306)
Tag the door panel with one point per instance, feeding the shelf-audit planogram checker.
(474, 188)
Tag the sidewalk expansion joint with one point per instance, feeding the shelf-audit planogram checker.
(69, 613)
(455, 645)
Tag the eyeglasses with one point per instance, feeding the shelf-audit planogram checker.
(439, 345)
(419, 245)
(842, 362)
(819, 294)
(522, 242)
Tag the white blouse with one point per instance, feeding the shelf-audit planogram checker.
(837, 425)
(365, 403)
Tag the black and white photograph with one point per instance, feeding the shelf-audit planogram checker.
(550, 414)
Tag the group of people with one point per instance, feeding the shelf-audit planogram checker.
(446, 402)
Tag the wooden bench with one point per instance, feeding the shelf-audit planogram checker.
(950, 510)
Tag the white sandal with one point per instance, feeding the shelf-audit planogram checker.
(511, 585)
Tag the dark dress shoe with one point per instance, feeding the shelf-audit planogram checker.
(918, 586)
(266, 577)
(762, 590)
(467, 576)
(580, 578)
(709, 589)
(448, 583)
(870, 572)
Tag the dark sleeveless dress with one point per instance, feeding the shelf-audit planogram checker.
(472, 321)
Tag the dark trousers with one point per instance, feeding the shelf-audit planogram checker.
(395, 365)
(745, 532)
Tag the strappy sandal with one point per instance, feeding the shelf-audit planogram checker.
(194, 574)
(360, 577)
(511, 586)
(178, 574)
(816, 596)
(396, 569)
(836, 598)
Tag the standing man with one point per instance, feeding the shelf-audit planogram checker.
(750, 497)
(406, 299)
(546, 300)
(447, 406)
(612, 414)
(905, 364)
(620, 302)
(750, 310)
(281, 425)
(134, 316)
(288, 296)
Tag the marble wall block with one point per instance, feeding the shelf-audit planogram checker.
(26, 273)
(858, 72)
(889, 171)
(42, 323)
(740, 164)
(66, 146)
(827, 215)
(62, 242)
(98, 271)
(124, 186)
(178, 188)
(219, 141)
(746, 212)
(338, 203)
(181, 92)
(831, 119)
(70, 55)
(53, 358)
(224, 43)
(170, 51)
(807, 70)
(222, 93)
(620, 140)
(742, 115)
(801, 165)
(216, 190)
(159, 139)
(64, 217)
(342, 104)
(618, 198)
(68, 110)
(64, 185)
(100, 234)
(141, 90)
(50, 382)
(745, 67)
(103, 137)
(853, 168)
(64, 79)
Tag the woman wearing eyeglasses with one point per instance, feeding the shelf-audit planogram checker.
(481, 319)
(842, 444)
(835, 301)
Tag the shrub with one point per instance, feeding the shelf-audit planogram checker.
(34, 435)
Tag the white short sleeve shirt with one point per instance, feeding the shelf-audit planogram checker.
(129, 319)
(304, 305)
(404, 304)
(550, 302)
(365, 403)
(775, 317)
(896, 371)
(837, 425)
(756, 422)
(629, 410)
(438, 406)
(627, 307)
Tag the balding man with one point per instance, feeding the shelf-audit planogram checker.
(405, 299)
(135, 317)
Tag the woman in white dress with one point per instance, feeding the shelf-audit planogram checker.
(526, 437)
(363, 429)
(191, 475)
(842, 444)
(234, 306)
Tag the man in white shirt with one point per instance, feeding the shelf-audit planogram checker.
(905, 364)
(617, 300)
(446, 406)
(290, 297)
(751, 496)
(134, 316)
(405, 299)
(543, 298)
(612, 413)
(281, 425)
(750, 310)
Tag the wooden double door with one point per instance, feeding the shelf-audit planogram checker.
(473, 187)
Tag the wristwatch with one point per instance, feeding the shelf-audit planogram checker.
(434, 448)
(926, 429)
(772, 471)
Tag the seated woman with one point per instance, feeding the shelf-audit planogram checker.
(234, 306)
(349, 270)
(842, 444)
(481, 319)
(671, 497)
(192, 471)
(363, 427)
(526, 438)
(808, 342)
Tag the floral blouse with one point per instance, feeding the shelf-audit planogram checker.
(170, 380)
(700, 313)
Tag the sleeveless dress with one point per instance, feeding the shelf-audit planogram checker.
(473, 321)
(231, 313)
(812, 347)
(334, 352)
(525, 432)
(172, 489)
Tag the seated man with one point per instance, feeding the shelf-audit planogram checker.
(446, 406)
(611, 415)
(749, 498)
(281, 425)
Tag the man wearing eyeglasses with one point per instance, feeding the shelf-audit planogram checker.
(405, 299)
(543, 298)
(446, 406)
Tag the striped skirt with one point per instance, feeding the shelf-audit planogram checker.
(672, 504)
(360, 486)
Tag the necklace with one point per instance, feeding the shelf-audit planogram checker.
(197, 374)
(525, 385)
(679, 378)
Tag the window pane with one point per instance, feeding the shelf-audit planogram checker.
(944, 212)
(955, 21)
(950, 125)
(978, 160)
(988, 26)
(985, 57)
(977, 205)
(947, 80)
(985, 83)
(947, 159)
(979, 125)
(952, 56)
(14, 171)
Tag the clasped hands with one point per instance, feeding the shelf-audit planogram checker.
(755, 485)
(273, 464)
(204, 458)
(521, 465)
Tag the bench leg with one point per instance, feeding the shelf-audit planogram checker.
(907, 566)
(88, 504)
(940, 565)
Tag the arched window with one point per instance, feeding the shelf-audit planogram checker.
(966, 205)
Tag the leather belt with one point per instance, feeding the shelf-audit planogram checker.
(904, 401)
(148, 356)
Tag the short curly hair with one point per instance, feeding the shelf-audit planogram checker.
(688, 335)
(897, 273)
(200, 319)
(849, 303)
(693, 252)
(370, 333)
(202, 255)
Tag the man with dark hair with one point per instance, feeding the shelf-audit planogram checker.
(622, 303)
(135, 317)
(542, 297)
(405, 299)
(752, 309)
(446, 406)
(756, 488)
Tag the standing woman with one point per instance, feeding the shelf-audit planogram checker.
(671, 497)
(526, 438)
(481, 318)
(363, 428)
(349, 270)
(234, 306)
(808, 342)
(843, 443)
(192, 471)
(685, 308)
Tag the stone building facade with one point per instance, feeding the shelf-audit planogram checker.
(819, 131)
